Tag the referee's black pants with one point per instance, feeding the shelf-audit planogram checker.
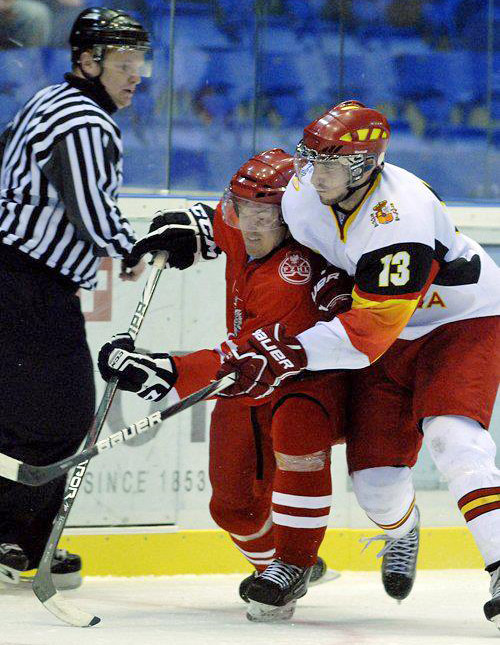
(47, 395)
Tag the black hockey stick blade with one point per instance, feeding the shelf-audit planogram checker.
(19, 471)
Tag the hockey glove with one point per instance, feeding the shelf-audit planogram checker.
(332, 292)
(186, 235)
(151, 376)
(261, 364)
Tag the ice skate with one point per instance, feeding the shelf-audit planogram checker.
(13, 560)
(66, 570)
(492, 607)
(245, 583)
(273, 594)
(320, 573)
(399, 563)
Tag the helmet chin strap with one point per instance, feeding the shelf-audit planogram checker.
(99, 59)
(367, 182)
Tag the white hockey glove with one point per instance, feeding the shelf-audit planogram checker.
(187, 235)
(151, 376)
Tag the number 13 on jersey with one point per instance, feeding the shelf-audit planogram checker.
(395, 269)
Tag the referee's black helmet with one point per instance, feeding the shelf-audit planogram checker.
(102, 27)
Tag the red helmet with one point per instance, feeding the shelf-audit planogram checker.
(349, 134)
(262, 181)
(348, 128)
(264, 177)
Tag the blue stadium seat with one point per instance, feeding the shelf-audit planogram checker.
(353, 82)
(198, 31)
(280, 39)
(190, 66)
(10, 105)
(416, 77)
(439, 14)
(290, 108)
(188, 168)
(22, 73)
(277, 72)
(233, 68)
(495, 108)
(187, 8)
(56, 62)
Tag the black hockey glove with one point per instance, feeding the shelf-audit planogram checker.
(151, 376)
(186, 235)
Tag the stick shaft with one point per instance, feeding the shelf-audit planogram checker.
(42, 583)
(37, 475)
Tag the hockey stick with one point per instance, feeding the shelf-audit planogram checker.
(23, 473)
(43, 586)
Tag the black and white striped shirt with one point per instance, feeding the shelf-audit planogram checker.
(60, 174)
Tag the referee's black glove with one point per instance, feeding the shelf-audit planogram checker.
(186, 235)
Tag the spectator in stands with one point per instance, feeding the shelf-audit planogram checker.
(408, 16)
(339, 11)
(24, 23)
(471, 22)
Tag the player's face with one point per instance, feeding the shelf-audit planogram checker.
(122, 71)
(261, 227)
(331, 181)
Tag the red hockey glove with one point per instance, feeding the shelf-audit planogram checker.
(332, 292)
(268, 357)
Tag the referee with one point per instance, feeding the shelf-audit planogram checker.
(61, 169)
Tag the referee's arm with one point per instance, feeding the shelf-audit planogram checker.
(83, 168)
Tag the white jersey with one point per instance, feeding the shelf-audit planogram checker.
(413, 271)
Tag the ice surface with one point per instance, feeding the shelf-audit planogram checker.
(445, 608)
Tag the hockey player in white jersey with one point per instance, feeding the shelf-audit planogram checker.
(423, 333)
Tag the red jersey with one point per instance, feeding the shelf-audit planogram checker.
(258, 292)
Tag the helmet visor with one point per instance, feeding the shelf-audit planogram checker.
(129, 61)
(248, 215)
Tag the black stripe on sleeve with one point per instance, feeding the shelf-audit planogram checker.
(396, 269)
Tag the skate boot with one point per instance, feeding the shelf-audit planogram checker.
(13, 560)
(319, 573)
(245, 583)
(492, 607)
(399, 561)
(66, 570)
(273, 594)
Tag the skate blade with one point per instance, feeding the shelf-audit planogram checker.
(62, 581)
(8, 575)
(329, 575)
(496, 620)
(258, 612)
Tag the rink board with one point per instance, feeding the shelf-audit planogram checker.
(211, 551)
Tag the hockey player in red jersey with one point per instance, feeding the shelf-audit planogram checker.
(269, 459)
(423, 335)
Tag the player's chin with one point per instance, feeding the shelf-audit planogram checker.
(256, 250)
(332, 198)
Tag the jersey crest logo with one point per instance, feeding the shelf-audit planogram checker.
(295, 269)
(295, 182)
(384, 214)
